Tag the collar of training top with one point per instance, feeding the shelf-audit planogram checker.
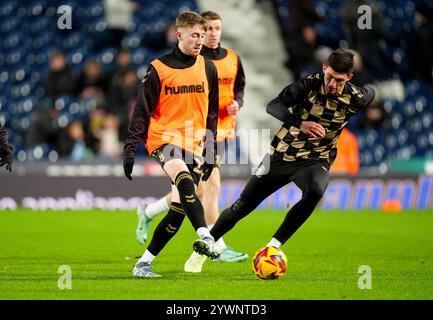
(182, 56)
(215, 54)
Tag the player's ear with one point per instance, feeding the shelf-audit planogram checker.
(349, 76)
(179, 35)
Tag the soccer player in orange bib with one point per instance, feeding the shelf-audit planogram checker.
(176, 114)
(231, 81)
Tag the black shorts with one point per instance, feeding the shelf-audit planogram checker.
(169, 152)
(273, 173)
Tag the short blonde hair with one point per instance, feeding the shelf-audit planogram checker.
(190, 19)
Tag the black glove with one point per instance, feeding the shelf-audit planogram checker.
(128, 165)
(6, 158)
(206, 171)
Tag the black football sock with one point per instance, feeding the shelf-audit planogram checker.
(167, 228)
(297, 215)
(191, 203)
(229, 217)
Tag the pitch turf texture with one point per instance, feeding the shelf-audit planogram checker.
(323, 257)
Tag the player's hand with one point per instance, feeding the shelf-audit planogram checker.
(313, 129)
(233, 108)
(7, 160)
(206, 171)
(128, 165)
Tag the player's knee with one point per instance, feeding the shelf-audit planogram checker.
(209, 189)
(315, 192)
(184, 181)
(214, 188)
(185, 185)
(201, 190)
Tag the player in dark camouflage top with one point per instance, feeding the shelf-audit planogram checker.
(329, 110)
(314, 111)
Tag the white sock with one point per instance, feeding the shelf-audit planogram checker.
(274, 243)
(203, 232)
(220, 244)
(157, 207)
(146, 257)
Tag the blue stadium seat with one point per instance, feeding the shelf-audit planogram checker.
(63, 102)
(9, 24)
(422, 142)
(37, 58)
(427, 120)
(107, 57)
(8, 7)
(44, 40)
(28, 104)
(132, 40)
(371, 137)
(12, 40)
(74, 108)
(379, 154)
(415, 88)
(391, 142)
(366, 158)
(93, 9)
(151, 10)
(74, 39)
(36, 8)
(22, 90)
(4, 79)
(420, 104)
(41, 25)
(402, 137)
(76, 58)
(88, 104)
(414, 126)
(140, 56)
(25, 121)
(38, 152)
(409, 109)
(16, 56)
(94, 27)
(20, 73)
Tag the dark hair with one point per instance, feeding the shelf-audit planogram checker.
(341, 61)
(211, 15)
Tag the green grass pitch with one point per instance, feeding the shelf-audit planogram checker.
(323, 257)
